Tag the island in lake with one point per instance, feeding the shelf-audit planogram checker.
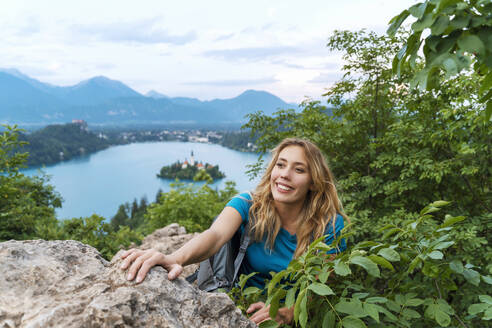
(187, 170)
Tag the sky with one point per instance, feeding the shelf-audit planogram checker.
(201, 49)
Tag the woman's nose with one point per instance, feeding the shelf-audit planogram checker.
(285, 173)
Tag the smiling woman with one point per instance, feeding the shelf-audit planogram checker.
(295, 202)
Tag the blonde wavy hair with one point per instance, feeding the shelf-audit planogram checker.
(321, 204)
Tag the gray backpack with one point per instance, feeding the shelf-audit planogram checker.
(221, 270)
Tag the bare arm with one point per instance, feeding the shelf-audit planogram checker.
(198, 249)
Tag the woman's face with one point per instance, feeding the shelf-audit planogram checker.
(290, 179)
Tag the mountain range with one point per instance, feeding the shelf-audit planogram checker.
(24, 100)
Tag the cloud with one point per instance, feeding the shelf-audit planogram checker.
(224, 37)
(328, 77)
(287, 64)
(146, 31)
(29, 26)
(235, 82)
(253, 53)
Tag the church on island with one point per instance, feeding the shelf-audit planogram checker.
(189, 169)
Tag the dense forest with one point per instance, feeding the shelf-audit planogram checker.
(409, 140)
(61, 142)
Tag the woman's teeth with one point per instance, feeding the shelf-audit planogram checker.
(283, 187)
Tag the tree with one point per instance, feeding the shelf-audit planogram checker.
(192, 207)
(121, 217)
(394, 150)
(26, 203)
(459, 36)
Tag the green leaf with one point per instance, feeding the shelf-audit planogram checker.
(477, 308)
(456, 266)
(353, 322)
(297, 308)
(360, 295)
(275, 302)
(389, 254)
(487, 279)
(321, 289)
(386, 227)
(414, 302)
(391, 232)
(367, 264)
(487, 315)
(426, 21)
(388, 314)
(436, 255)
(418, 10)
(250, 291)
(275, 280)
(269, 324)
(291, 297)
(485, 299)
(430, 208)
(342, 269)
(411, 314)
(444, 245)
(472, 276)
(486, 83)
(381, 261)
(440, 25)
(450, 220)
(396, 22)
(243, 279)
(471, 44)
(376, 299)
(440, 203)
(354, 307)
(323, 276)
(450, 65)
(303, 316)
(372, 311)
(416, 261)
(328, 320)
(488, 111)
(442, 318)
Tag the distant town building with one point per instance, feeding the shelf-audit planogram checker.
(82, 123)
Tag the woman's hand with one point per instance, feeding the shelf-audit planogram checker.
(261, 313)
(142, 261)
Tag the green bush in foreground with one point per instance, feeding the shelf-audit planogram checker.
(405, 278)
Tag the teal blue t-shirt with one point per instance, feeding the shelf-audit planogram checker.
(263, 260)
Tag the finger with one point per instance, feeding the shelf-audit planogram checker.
(136, 265)
(255, 306)
(130, 258)
(260, 316)
(128, 252)
(144, 269)
(175, 272)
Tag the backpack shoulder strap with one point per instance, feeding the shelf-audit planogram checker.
(245, 239)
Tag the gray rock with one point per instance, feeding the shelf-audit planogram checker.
(69, 284)
(168, 239)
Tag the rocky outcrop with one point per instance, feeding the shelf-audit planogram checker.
(169, 239)
(69, 284)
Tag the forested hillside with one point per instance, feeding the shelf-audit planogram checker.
(56, 143)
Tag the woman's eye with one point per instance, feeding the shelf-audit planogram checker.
(299, 170)
(280, 164)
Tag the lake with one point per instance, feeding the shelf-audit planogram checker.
(100, 182)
